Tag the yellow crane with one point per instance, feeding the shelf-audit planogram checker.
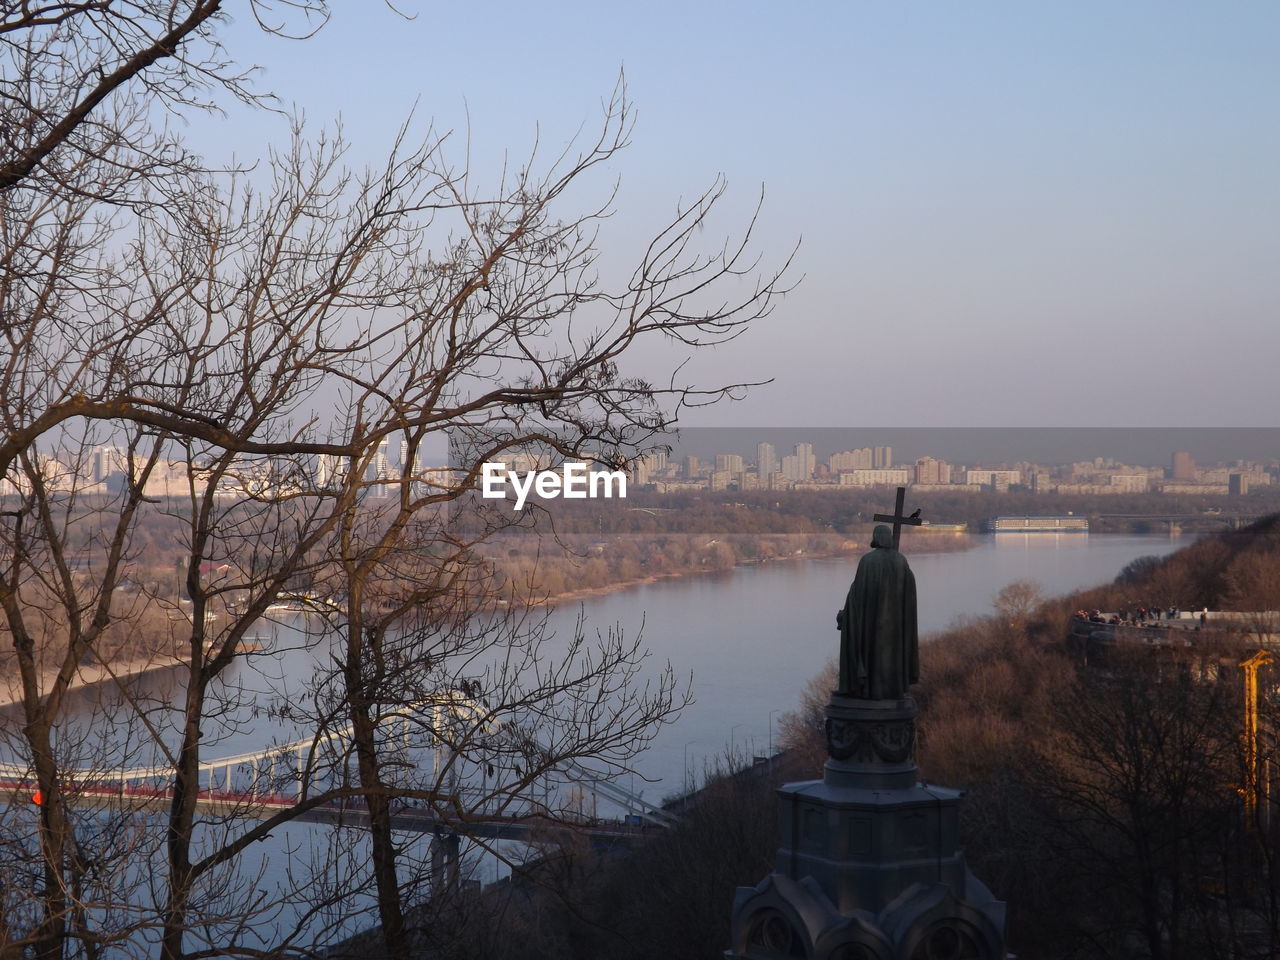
(1260, 659)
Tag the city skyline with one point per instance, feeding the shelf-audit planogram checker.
(96, 468)
(1048, 445)
(876, 466)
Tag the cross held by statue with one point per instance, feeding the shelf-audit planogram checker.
(898, 520)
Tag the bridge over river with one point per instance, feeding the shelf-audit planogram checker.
(277, 779)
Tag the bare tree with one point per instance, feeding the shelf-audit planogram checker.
(1015, 603)
(79, 77)
(228, 365)
(1139, 780)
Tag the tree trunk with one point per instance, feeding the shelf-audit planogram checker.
(364, 738)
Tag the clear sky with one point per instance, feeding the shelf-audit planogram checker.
(1010, 214)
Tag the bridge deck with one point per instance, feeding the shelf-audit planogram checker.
(418, 819)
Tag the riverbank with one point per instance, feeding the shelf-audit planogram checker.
(90, 675)
(918, 543)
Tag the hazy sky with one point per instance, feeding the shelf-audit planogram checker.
(1011, 214)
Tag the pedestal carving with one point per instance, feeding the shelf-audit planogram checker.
(864, 734)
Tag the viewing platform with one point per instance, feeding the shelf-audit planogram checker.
(1261, 628)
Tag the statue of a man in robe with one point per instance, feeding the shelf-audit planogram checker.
(879, 645)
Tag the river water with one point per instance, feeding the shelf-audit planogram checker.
(754, 636)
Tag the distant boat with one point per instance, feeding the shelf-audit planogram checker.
(1044, 524)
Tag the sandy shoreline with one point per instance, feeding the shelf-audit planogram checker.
(90, 675)
(95, 674)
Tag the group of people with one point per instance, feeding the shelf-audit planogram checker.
(1137, 617)
(1143, 614)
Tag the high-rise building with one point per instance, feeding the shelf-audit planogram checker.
(644, 468)
(380, 469)
(729, 462)
(1183, 467)
(105, 461)
(766, 461)
(807, 461)
(793, 468)
(860, 459)
(882, 458)
(929, 470)
(691, 467)
(997, 479)
(328, 470)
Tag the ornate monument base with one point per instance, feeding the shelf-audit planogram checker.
(870, 866)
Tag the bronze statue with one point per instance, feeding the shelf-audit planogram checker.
(879, 643)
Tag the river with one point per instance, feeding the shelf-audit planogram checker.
(754, 636)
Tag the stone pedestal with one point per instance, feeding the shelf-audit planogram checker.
(870, 866)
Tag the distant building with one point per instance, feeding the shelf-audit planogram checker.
(1183, 467)
(329, 470)
(882, 458)
(679, 486)
(380, 468)
(792, 469)
(645, 469)
(995, 479)
(929, 470)
(807, 461)
(860, 459)
(107, 460)
(1237, 484)
(871, 478)
(730, 462)
(640, 471)
(1129, 482)
(766, 461)
(1179, 487)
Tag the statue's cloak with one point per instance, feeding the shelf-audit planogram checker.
(879, 642)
